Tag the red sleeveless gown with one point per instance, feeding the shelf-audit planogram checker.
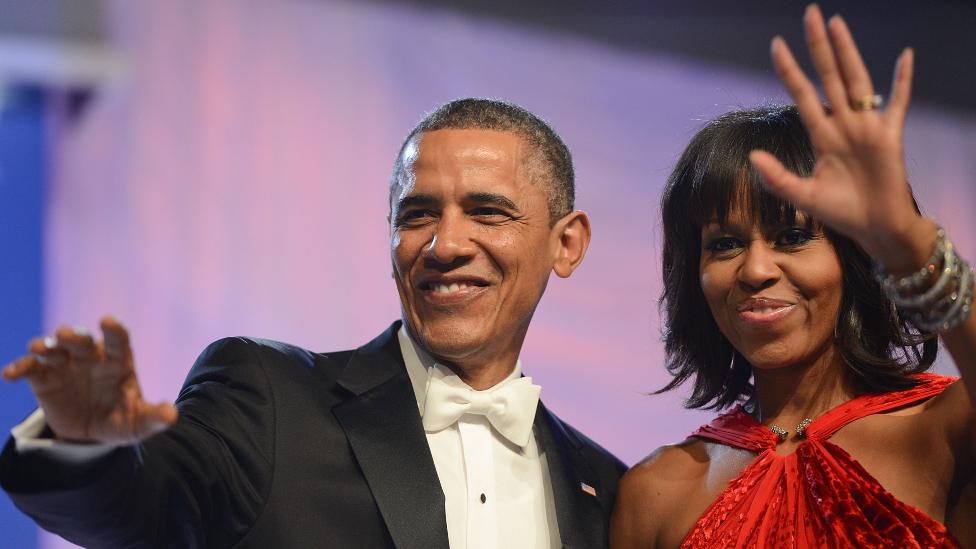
(818, 496)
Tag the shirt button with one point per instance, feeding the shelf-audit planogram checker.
(483, 498)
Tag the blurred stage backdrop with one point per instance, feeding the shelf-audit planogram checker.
(203, 168)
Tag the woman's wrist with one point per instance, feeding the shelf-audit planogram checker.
(909, 250)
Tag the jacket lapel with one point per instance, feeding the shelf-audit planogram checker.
(579, 514)
(384, 429)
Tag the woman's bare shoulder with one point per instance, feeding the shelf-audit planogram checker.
(679, 462)
(650, 489)
(949, 412)
(953, 412)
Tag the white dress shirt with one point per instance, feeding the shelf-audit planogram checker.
(497, 494)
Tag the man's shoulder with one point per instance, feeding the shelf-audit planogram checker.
(239, 351)
(262, 360)
(270, 348)
(591, 448)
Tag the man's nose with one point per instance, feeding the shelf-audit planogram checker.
(451, 241)
(759, 268)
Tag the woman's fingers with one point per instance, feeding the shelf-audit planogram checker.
(901, 89)
(853, 71)
(798, 86)
(782, 182)
(822, 53)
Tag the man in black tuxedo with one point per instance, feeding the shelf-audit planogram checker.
(426, 437)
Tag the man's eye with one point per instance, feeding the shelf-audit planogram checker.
(414, 216)
(488, 212)
(794, 237)
(723, 244)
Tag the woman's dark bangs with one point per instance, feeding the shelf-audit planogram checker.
(721, 188)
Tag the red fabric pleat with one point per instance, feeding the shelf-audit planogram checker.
(818, 496)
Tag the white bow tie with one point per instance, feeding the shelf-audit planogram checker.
(509, 406)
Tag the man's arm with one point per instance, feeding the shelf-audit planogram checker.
(201, 482)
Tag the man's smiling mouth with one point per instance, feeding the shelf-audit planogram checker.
(447, 287)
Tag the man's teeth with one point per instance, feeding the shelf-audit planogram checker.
(447, 288)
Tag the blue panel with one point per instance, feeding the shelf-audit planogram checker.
(22, 175)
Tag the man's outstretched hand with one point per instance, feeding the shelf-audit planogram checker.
(88, 389)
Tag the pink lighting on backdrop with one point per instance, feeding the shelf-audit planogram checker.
(235, 184)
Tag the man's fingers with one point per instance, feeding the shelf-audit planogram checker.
(155, 418)
(21, 368)
(44, 345)
(165, 412)
(116, 339)
(48, 351)
(77, 340)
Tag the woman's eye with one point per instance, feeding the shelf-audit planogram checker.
(794, 237)
(723, 244)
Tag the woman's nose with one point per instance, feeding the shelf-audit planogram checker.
(759, 268)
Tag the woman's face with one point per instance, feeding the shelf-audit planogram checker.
(774, 292)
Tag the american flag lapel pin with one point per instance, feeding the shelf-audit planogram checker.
(588, 489)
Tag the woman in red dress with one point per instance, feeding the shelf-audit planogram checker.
(805, 295)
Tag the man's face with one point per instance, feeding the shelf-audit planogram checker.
(471, 242)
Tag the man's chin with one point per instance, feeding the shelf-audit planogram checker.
(453, 342)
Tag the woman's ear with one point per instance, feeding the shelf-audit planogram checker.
(571, 237)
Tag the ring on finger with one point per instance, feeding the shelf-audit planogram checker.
(867, 102)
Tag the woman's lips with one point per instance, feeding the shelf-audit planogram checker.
(763, 311)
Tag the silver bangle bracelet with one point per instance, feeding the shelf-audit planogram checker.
(916, 280)
(943, 304)
(951, 263)
(957, 313)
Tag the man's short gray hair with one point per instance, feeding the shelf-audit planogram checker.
(492, 114)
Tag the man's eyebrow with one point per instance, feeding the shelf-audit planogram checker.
(492, 198)
(416, 200)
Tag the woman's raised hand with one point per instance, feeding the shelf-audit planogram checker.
(859, 185)
(88, 389)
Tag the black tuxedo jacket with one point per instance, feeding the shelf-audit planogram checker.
(278, 447)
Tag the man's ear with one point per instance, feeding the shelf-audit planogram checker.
(571, 237)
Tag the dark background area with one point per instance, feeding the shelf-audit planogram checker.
(942, 32)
